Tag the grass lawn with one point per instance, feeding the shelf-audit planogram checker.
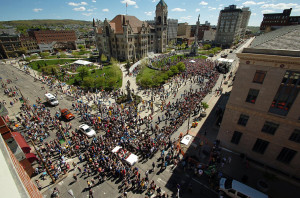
(107, 78)
(42, 63)
(151, 78)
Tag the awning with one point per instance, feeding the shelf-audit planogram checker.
(31, 157)
(21, 142)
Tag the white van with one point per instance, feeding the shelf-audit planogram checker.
(235, 189)
(51, 99)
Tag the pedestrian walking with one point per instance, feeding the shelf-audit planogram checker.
(91, 194)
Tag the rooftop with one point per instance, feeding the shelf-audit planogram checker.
(283, 38)
(277, 42)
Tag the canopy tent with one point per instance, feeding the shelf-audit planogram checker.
(224, 60)
(21, 142)
(116, 149)
(132, 159)
(82, 62)
(186, 139)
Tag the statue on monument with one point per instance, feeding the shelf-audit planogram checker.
(128, 91)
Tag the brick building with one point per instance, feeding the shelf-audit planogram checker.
(64, 39)
(202, 28)
(261, 118)
(273, 21)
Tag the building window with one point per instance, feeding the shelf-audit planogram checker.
(270, 127)
(260, 146)
(243, 120)
(259, 76)
(295, 136)
(252, 95)
(286, 155)
(286, 93)
(236, 137)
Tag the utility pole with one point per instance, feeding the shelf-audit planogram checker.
(45, 165)
(188, 127)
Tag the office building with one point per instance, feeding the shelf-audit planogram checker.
(232, 25)
(262, 118)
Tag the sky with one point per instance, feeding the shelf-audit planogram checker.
(183, 10)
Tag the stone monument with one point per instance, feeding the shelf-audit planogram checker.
(128, 91)
(194, 48)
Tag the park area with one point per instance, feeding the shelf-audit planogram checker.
(106, 77)
(158, 70)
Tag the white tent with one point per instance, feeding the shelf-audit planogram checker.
(192, 61)
(186, 139)
(82, 62)
(132, 159)
(116, 149)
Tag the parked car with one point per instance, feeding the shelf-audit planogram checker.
(211, 55)
(223, 55)
(235, 189)
(87, 130)
(65, 113)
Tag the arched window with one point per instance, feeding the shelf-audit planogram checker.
(107, 31)
(158, 20)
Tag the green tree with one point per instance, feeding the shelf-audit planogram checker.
(81, 47)
(88, 82)
(183, 45)
(44, 54)
(99, 82)
(83, 71)
(180, 66)
(204, 105)
(146, 81)
(53, 71)
(174, 69)
(206, 46)
(103, 57)
(23, 50)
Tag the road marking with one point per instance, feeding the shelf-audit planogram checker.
(61, 183)
(204, 186)
(161, 181)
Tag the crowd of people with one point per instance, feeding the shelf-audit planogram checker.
(120, 125)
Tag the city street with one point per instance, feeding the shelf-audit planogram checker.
(167, 179)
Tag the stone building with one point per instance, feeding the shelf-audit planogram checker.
(262, 118)
(127, 38)
(273, 21)
(232, 25)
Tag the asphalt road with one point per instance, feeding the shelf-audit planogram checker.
(167, 179)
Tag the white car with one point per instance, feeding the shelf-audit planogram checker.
(87, 130)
